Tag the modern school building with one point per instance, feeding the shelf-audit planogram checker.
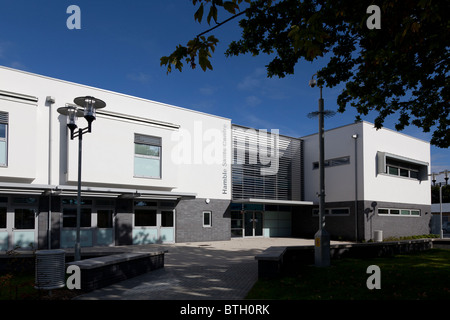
(156, 173)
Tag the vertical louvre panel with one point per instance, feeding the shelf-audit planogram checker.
(247, 180)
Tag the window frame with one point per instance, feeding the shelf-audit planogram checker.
(4, 120)
(329, 212)
(150, 141)
(205, 214)
(334, 162)
(399, 212)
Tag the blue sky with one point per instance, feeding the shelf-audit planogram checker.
(119, 46)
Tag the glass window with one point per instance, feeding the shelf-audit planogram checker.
(393, 170)
(24, 219)
(166, 218)
(414, 174)
(207, 218)
(383, 211)
(2, 218)
(3, 144)
(394, 211)
(145, 218)
(143, 203)
(70, 218)
(73, 201)
(415, 212)
(147, 156)
(340, 211)
(405, 212)
(104, 218)
(404, 172)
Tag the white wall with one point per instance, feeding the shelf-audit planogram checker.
(108, 152)
(339, 180)
(24, 141)
(382, 187)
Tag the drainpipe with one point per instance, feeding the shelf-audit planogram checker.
(49, 101)
(355, 137)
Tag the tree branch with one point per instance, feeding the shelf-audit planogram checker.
(221, 23)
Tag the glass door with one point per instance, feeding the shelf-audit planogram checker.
(253, 224)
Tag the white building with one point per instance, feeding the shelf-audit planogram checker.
(152, 172)
(383, 173)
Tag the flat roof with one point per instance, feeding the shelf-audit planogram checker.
(111, 92)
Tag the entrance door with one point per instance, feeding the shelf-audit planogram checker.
(253, 224)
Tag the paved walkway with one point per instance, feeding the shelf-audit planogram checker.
(199, 270)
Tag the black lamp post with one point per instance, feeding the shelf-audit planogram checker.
(85, 106)
(322, 237)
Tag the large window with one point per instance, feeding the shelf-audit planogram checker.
(402, 169)
(4, 117)
(145, 218)
(399, 166)
(70, 218)
(147, 156)
(24, 219)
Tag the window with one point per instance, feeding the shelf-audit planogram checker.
(24, 218)
(147, 156)
(4, 118)
(2, 218)
(398, 212)
(167, 218)
(333, 211)
(399, 166)
(105, 218)
(145, 218)
(206, 218)
(333, 162)
(236, 223)
(70, 218)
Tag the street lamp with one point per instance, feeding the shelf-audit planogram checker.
(445, 173)
(86, 107)
(322, 237)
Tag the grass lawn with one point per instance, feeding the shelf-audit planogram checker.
(424, 276)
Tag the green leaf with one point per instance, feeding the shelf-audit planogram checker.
(199, 14)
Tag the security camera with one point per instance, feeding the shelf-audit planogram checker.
(312, 83)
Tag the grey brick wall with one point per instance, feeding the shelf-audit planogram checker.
(189, 220)
(304, 224)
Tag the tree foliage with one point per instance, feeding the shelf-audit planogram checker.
(401, 68)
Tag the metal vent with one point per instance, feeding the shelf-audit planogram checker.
(150, 140)
(50, 269)
(4, 117)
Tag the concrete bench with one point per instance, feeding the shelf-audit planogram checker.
(270, 262)
(102, 271)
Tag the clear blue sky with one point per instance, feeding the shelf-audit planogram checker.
(119, 46)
